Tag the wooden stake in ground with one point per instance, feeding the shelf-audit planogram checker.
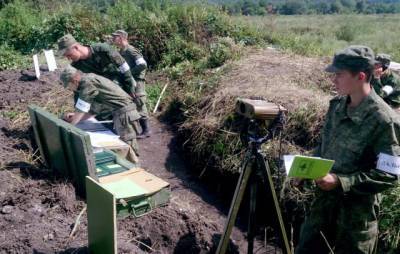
(36, 65)
(51, 61)
(159, 98)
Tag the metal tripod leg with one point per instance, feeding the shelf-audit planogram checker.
(237, 199)
(251, 229)
(269, 184)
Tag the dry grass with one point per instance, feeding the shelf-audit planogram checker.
(297, 83)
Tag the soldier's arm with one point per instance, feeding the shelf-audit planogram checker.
(85, 98)
(76, 117)
(140, 63)
(385, 175)
(393, 99)
(124, 70)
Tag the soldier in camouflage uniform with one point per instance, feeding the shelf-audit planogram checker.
(138, 69)
(385, 82)
(97, 94)
(98, 58)
(361, 133)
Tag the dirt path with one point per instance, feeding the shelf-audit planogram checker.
(38, 210)
(195, 210)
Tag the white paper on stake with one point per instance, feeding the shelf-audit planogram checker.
(36, 64)
(51, 61)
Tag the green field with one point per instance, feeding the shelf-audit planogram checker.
(322, 35)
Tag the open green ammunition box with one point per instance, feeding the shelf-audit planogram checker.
(113, 186)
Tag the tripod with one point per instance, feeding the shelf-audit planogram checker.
(254, 166)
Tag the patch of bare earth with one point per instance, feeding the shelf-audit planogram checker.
(38, 210)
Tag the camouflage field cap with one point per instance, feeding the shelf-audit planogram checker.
(67, 74)
(65, 42)
(121, 33)
(383, 59)
(353, 58)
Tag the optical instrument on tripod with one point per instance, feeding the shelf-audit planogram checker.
(254, 167)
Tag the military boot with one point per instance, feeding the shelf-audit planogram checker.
(144, 123)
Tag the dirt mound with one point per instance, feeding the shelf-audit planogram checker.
(18, 90)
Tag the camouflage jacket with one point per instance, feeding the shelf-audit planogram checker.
(107, 62)
(97, 94)
(355, 138)
(388, 79)
(135, 60)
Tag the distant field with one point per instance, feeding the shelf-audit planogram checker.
(324, 34)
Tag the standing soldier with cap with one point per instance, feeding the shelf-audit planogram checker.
(361, 134)
(98, 58)
(138, 68)
(97, 95)
(385, 82)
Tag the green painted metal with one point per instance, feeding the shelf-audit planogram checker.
(63, 147)
(101, 216)
(68, 151)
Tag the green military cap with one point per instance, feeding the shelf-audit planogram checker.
(353, 58)
(65, 42)
(121, 33)
(67, 74)
(383, 59)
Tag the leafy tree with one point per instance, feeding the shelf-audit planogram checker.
(361, 6)
(293, 7)
(336, 7)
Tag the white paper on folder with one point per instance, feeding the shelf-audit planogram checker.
(36, 65)
(100, 137)
(288, 161)
(51, 61)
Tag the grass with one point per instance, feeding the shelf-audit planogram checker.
(322, 35)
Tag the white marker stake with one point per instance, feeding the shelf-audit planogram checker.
(51, 61)
(159, 99)
(36, 64)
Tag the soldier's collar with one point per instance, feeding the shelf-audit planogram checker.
(358, 113)
(90, 50)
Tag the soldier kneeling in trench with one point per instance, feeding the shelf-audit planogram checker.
(97, 95)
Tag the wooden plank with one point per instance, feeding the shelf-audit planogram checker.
(101, 214)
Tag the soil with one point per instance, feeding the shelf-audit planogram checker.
(39, 210)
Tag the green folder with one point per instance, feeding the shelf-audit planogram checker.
(307, 167)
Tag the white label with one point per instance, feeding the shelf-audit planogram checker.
(140, 61)
(82, 105)
(388, 163)
(51, 61)
(387, 89)
(124, 67)
(36, 64)
(288, 161)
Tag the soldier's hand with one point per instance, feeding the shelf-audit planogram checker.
(68, 117)
(328, 182)
(297, 182)
(133, 95)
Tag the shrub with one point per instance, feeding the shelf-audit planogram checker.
(11, 59)
(345, 33)
(221, 51)
(179, 50)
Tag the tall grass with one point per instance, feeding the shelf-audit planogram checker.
(322, 35)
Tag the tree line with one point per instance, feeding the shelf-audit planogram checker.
(301, 7)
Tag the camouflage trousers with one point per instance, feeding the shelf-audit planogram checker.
(347, 224)
(126, 125)
(140, 100)
(141, 106)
